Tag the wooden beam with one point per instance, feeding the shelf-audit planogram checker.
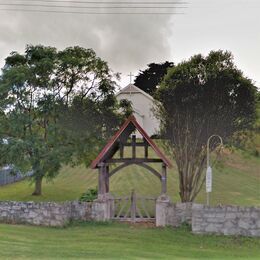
(135, 160)
(148, 167)
(121, 150)
(102, 178)
(118, 168)
(133, 146)
(152, 170)
(142, 144)
(133, 206)
(145, 149)
(107, 178)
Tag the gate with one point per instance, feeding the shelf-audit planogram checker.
(134, 208)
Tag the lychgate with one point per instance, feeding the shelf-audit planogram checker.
(125, 137)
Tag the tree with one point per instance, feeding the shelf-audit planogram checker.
(91, 123)
(248, 139)
(198, 98)
(29, 114)
(81, 73)
(38, 90)
(149, 79)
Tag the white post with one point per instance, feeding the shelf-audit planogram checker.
(209, 170)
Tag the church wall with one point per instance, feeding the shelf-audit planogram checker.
(143, 107)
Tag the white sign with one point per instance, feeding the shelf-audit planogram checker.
(209, 179)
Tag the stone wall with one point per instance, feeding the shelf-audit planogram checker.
(179, 213)
(44, 213)
(227, 220)
(170, 214)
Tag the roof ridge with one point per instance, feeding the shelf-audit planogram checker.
(138, 89)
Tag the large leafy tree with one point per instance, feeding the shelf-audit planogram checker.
(199, 98)
(41, 90)
(90, 123)
(149, 79)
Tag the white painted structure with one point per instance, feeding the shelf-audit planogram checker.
(142, 104)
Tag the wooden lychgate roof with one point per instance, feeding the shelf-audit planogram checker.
(121, 136)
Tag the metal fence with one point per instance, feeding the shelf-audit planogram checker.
(7, 176)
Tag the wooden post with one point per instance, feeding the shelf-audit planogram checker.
(164, 179)
(133, 206)
(121, 150)
(133, 146)
(107, 179)
(102, 178)
(145, 149)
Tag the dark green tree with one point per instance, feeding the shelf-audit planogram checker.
(149, 79)
(198, 98)
(40, 91)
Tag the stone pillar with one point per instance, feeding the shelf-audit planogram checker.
(103, 207)
(162, 204)
(164, 179)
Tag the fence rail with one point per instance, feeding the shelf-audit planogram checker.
(8, 177)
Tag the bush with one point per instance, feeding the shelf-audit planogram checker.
(89, 196)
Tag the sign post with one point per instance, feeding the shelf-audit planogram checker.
(209, 169)
(208, 182)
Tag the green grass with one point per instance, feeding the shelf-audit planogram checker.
(119, 241)
(235, 181)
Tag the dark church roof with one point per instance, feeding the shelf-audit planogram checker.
(122, 135)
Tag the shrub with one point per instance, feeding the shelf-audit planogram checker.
(89, 196)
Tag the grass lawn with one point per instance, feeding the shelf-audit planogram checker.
(119, 241)
(237, 182)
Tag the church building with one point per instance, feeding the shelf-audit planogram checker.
(142, 105)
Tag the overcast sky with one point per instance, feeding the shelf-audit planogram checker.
(130, 42)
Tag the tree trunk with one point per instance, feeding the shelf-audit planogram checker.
(191, 177)
(38, 186)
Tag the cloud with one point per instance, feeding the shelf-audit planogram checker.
(127, 42)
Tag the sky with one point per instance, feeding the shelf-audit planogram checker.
(129, 42)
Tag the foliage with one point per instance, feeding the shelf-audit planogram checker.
(89, 196)
(149, 79)
(249, 140)
(29, 124)
(41, 91)
(199, 98)
(90, 123)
